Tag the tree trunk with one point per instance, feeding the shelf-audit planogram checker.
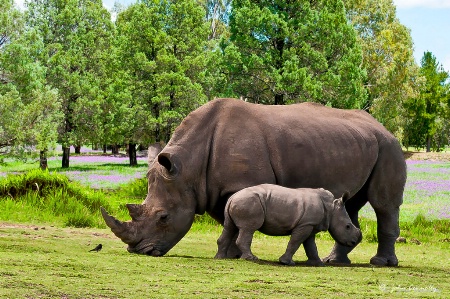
(132, 154)
(77, 149)
(115, 149)
(428, 144)
(43, 160)
(279, 99)
(65, 157)
(104, 148)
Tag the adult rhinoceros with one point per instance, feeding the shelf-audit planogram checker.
(227, 145)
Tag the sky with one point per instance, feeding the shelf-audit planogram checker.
(428, 20)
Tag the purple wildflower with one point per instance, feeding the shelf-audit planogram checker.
(429, 186)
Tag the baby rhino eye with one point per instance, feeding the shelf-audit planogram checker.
(348, 226)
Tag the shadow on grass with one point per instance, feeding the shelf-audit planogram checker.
(302, 264)
(277, 263)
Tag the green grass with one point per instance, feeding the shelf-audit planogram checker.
(50, 197)
(46, 257)
(53, 262)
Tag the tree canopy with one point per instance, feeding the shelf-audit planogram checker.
(284, 52)
(392, 74)
(428, 113)
(72, 74)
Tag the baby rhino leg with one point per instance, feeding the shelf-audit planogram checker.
(248, 216)
(299, 235)
(311, 252)
(244, 242)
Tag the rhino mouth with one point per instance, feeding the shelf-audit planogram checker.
(147, 249)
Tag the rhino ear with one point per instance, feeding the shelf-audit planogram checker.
(169, 162)
(338, 203)
(135, 211)
(345, 196)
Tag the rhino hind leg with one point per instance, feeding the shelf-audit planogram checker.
(385, 193)
(388, 232)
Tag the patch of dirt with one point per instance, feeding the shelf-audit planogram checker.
(432, 156)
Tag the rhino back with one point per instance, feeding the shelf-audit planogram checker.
(286, 209)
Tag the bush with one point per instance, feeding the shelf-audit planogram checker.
(53, 193)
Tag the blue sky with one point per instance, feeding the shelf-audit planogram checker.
(428, 20)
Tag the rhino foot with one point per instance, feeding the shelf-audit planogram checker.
(287, 262)
(315, 263)
(220, 256)
(249, 257)
(382, 261)
(332, 259)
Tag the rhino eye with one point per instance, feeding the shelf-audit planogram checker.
(163, 217)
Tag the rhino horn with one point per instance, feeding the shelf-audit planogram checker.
(117, 227)
(135, 211)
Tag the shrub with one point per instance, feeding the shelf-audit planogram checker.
(52, 192)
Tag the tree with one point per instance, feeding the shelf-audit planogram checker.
(428, 113)
(76, 36)
(217, 13)
(30, 109)
(11, 22)
(392, 74)
(293, 51)
(161, 48)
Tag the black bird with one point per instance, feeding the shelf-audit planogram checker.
(97, 248)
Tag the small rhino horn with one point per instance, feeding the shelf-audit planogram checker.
(135, 211)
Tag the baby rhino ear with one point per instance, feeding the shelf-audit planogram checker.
(338, 203)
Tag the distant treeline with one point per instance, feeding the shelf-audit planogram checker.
(75, 73)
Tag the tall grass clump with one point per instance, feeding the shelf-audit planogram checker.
(425, 229)
(54, 194)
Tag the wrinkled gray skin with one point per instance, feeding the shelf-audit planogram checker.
(227, 145)
(279, 211)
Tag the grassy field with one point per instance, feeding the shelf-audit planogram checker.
(55, 262)
(43, 255)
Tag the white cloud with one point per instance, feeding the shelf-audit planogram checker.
(422, 3)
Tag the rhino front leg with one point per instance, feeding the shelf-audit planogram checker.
(244, 243)
(299, 235)
(226, 241)
(311, 252)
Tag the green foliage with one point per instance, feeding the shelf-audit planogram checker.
(30, 109)
(137, 189)
(392, 74)
(427, 114)
(282, 52)
(11, 23)
(160, 48)
(76, 37)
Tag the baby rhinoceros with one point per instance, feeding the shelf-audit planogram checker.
(280, 211)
